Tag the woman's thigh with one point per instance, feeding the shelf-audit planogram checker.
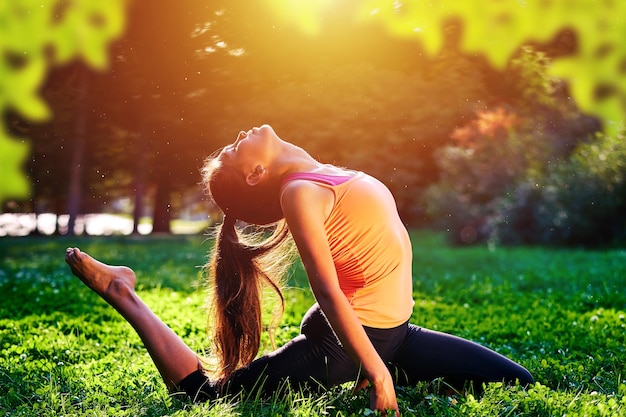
(426, 354)
(313, 359)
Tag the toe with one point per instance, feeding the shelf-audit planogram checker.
(70, 253)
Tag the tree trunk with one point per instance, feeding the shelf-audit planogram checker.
(162, 215)
(140, 181)
(78, 153)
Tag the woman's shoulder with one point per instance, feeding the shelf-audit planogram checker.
(304, 196)
(301, 187)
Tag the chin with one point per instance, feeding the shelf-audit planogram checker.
(265, 128)
(267, 132)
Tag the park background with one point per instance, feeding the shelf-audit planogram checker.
(478, 139)
(496, 125)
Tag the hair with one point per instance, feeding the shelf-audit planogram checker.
(258, 204)
(242, 265)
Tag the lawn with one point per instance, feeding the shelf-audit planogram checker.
(560, 313)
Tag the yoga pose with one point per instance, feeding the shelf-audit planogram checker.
(357, 256)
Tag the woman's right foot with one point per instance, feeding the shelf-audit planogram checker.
(105, 280)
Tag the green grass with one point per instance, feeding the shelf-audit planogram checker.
(560, 313)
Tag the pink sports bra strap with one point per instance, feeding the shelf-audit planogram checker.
(332, 180)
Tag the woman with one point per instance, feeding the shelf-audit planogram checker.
(357, 256)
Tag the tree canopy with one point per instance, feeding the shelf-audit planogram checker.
(313, 69)
(596, 70)
(35, 35)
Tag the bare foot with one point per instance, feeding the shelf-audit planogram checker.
(105, 280)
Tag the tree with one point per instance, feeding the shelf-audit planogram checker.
(497, 29)
(165, 82)
(81, 137)
(36, 35)
(579, 201)
(323, 92)
(221, 29)
(502, 149)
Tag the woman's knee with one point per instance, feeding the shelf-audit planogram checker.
(314, 323)
(524, 377)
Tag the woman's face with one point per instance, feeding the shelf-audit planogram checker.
(250, 149)
(239, 181)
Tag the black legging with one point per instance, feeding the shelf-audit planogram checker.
(315, 359)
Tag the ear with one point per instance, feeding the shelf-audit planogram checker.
(256, 176)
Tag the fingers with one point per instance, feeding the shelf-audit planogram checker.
(361, 385)
(383, 398)
(390, 412)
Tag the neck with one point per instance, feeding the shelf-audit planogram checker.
(292, 158)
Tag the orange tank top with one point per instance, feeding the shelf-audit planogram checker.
(370, 247)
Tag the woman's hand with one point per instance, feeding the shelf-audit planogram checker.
(383, 397)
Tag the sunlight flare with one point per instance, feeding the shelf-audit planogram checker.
(307, 15)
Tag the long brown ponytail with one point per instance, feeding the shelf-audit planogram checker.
(240, 267)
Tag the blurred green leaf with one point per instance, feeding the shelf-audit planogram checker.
(13, 183)
(22, 85)
(86, 29)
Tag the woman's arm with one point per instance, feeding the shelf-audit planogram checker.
(306, 207)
